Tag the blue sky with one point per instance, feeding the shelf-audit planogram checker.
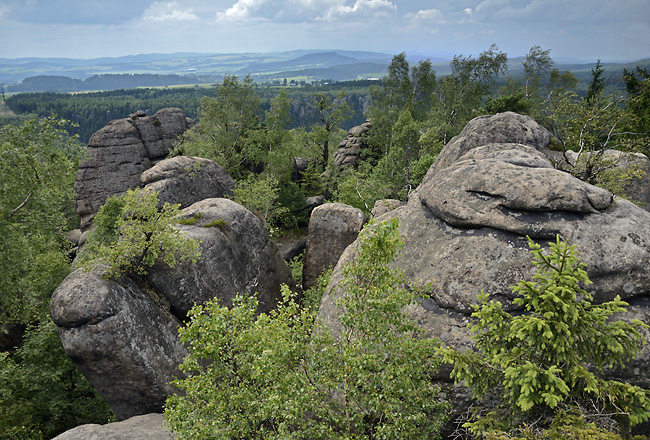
(612, 30)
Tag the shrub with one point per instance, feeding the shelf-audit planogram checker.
(132, 234)
(280, 375)
(548, 362)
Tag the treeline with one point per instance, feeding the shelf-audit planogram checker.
(54, 83)
(91, 111)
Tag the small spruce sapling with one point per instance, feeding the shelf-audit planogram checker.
(548, 362)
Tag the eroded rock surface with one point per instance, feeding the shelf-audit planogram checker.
(237, 256)
(122, 339)
(349, 148)
(120, 152)
(332, 227)
(187, 180)
(146, 427)
(465, 229)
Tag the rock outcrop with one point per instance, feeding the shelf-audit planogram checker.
(332, 227)
(237, 256)
(347, 154)
(465, 228)
(120, 152)
(145, 427)
(121, 337)
(187, 180)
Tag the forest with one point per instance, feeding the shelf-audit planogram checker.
(254, 132)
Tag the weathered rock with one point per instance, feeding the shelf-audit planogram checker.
(146, 427)
(383, 206)
(314, 201)
(292, 248)
(465, 228)
(119, 153)
(298, 167)
(122, 339)
(636, 189)
(187, 180)
(501, 128)
(237, 256)
(332, 227)
(347, 153)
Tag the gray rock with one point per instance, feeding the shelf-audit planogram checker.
(119, 153)
(332, 227)
(465, 228)
(237, 256)
(383, 206)
(145, 427)
(636, 189)
(122, 339)
(314, 201)
(187, 180)
(348, 150)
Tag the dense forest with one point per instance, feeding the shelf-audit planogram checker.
(254, 132)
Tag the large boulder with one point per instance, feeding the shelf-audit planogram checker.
(120, 152)
(465, 229)
(122, 334)
(237, 256)
(146, 427)
(332, 228)
(187, 180)
(121, 337)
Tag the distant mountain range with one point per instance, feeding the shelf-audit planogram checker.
(259, 65)
(299, 65)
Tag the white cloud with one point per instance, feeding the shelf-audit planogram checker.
(295, 11)
(3, 10)
(162, 12)
(381, 7)
(426, 20)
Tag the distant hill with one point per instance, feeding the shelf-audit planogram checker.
(152, 70)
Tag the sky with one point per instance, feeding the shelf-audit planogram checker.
(585, 30)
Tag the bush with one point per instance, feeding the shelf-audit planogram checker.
(280, 375)
(548, 362)
(131, 234)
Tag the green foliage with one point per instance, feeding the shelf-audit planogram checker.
(259, 194)
(460, 94)
(590, 128)
(551, 358)
(41, 393)
(332, 112)
(132, 234)
(38, 161)
(279, 375)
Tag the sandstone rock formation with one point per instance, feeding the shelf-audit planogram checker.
(123, 334)
(146, 427)
(237, 256)
(465, 228)
(332, 227)
(187, 180)
(120, 338)
(120, 152)
(348, 151)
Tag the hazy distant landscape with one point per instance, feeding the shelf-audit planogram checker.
(154, 70)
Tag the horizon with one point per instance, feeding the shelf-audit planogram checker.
(579, 30)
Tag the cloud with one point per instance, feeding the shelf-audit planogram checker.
(300, 11)
(161, 12)
(367, 7)
(426, 16)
